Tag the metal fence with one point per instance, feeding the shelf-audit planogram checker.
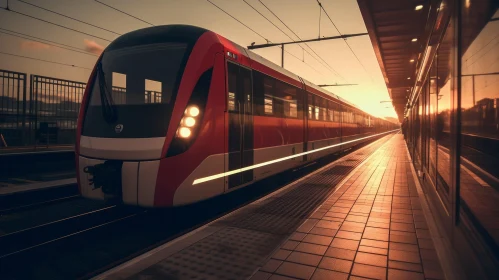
(47, 116)
(12, 108)
(45, 112)
(55, 106)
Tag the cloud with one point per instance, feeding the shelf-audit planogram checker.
(32, 45)
(93, 47)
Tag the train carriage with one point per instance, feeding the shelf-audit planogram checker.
(177, 114)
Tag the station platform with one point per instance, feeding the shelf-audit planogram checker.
(36, 149)
(23, 169)
(9, 189)
(363, 216)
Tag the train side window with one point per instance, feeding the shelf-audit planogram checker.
(286, 95)
(247, 91)
(330, 108)
(336, 111)
(300, 98)
(232, 102)
(293, 109)
(316, 108)
(310, 107)
(258, 90)
(232, 72)
(268, 93)
(268, 105)
(324, 116)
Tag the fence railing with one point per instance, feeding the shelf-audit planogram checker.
(45, 111)
(13, 108)
(46, 116)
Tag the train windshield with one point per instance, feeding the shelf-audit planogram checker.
(134, 91)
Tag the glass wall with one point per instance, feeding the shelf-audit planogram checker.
(432, 100)
(453, 127)
(479, 161)
(417, 133)
(444, 90)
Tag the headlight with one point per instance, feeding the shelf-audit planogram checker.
(189, 121)
(184, 132)
(193, 111)
(186, 127)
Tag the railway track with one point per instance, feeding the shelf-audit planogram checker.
(24, 207)
(21, 240)
(35, 198)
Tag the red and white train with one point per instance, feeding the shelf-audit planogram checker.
(177, 114)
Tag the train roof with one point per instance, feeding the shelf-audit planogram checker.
(158, 34)
(190, 33)
(270, 64)
(258, 58)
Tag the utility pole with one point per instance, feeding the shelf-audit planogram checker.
(344, 36)
(252, 47)
(282, 55)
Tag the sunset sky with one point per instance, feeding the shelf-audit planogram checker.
(302, 16)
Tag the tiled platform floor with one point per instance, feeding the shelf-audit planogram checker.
(373, 227)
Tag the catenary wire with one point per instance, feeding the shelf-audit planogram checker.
(328, 65)
(43, 60)
(47, 43)
(66, 16)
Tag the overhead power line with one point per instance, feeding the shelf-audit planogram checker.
(43, 60)
(308, 40)
(123, 12)
(54, 12)
(56, 24)
(238, 21)
(267, 19)
(16, 32)
(130, 15)
(348, 45)
(330, 67)
(27, 37)
(286, 35)
(260, 35)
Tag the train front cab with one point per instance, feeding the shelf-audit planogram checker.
(150, 117)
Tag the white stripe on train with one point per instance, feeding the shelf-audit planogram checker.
(220, 175)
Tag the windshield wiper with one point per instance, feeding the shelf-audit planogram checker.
(108, 108)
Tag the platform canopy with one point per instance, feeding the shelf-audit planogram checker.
(397, 32)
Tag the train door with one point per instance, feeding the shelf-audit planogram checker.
(305, 109)
(240, 110)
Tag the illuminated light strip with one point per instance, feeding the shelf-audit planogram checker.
(221, 175)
